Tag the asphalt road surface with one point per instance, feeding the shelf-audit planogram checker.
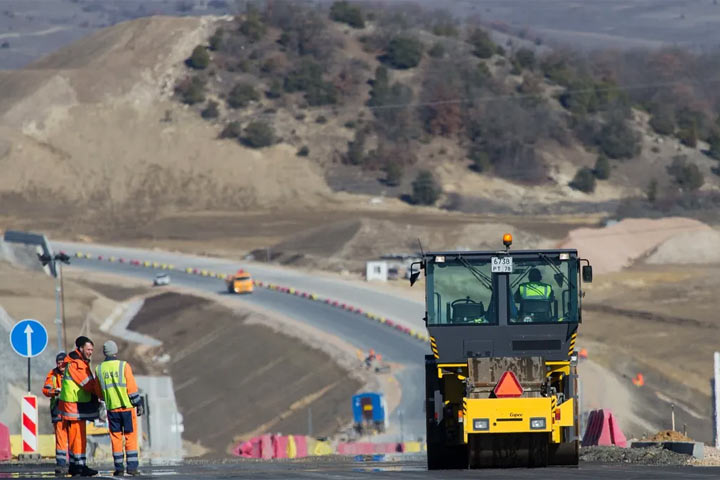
(409, 467)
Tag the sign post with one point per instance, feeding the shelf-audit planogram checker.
(717, 400)
(29, 339)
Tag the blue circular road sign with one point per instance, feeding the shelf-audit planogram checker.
(28, 338)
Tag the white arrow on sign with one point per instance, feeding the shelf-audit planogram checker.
(28, 335)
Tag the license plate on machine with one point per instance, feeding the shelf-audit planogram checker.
(501, 265)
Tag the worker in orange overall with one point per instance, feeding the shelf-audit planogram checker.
(121, 399)
(78, 403)
(51, 389)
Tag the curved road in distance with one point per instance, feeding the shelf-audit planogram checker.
(361, 332)
(407, 311)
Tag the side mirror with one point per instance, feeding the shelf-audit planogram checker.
(559, 279)
(414, 274)
(587, 273)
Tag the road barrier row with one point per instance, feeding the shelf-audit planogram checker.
(420, 336)
(270, 446)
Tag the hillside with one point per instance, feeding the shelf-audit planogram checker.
(149, 119)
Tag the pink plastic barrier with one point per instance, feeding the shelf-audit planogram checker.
(280, 446)
(603, 430)
(5, 452)
(272, 446)
(301, 444)
(367, 448)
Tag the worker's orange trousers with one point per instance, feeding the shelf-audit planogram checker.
(122, 423)
(61, 442)
(77, 437)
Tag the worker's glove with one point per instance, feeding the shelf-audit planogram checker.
(140, 407)
(56, 391)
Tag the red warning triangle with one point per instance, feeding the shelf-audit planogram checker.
(508, 386)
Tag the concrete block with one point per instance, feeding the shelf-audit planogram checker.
(696, 449)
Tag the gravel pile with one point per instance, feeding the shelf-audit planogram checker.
(644, 456)
(712, 458)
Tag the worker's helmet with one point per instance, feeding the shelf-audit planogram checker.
(535, 275)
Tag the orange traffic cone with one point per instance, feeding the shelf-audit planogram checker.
(639, 380)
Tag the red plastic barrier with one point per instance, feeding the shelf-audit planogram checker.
(5, 452)
(301, 445)
(266, 447)
(367, 448)
(280, 446)
(603, 430)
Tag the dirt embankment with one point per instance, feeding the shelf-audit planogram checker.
(235, 377)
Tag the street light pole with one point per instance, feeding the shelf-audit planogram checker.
(58, 315)
(55, 262)
(62, 308)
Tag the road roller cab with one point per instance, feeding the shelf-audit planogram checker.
(501, 383)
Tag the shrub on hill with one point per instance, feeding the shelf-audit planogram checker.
(253, 27)
(345, 12)
(425, 189)
(356, 149)
(404, 52)
(216, 41)
(393, 173)
(241, 95)
(231, 130)
(618, 140)
(483, 46)
(525, 58)
(662, 120)
(258, 134)
(200, 58)
(584, 180)
(210, 111)
(602, 168)
(688, 137)
(191, 90)
(687, 176)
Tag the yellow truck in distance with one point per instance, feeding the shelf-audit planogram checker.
(239, 282)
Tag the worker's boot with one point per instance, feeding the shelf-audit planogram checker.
(134, 473)
(83, 471)
(118, 473)
(61, 470)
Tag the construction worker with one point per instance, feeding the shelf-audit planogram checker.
(121, 399)
(534, 292)
(51, 389)
(78, 403)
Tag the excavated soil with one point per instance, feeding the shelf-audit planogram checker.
(669, 436)
(235, 378)
(645, 456)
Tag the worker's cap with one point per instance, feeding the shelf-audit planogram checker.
(110, 348)
(60, 357)
(81, 341)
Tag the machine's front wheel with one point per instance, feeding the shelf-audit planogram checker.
(441, 457)
(564, 453)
